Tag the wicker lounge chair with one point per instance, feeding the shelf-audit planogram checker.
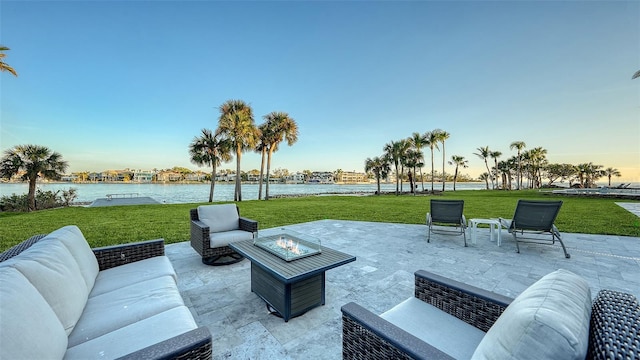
(611, 331)
(535, 217)
(213, 227)
(446, 212)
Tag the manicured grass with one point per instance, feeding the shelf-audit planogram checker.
(121, 224)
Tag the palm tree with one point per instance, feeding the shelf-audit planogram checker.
(210, 149)
(518, 145)
(484, 153)
(280, 127)
(495, 155)
(412, 159)
(393, 152)
(442, 136)
(379, 166)
(458, 161)
(35, 161)
(537, 158)
(263, 145)
(418, 141)
(236, 123)
(485, 176)
(609, 172)
(405, 146)
(3, 65)
(432, 142)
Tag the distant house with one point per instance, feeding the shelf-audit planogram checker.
(297, 178)
(196, 176)
(169, 176)
(226, 177)
(143, 176)
(318, 177)
(352, 177)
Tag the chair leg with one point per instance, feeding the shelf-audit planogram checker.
(566, 254)
(429, 234)
(515, 238)
(464, 234)
(218, 260)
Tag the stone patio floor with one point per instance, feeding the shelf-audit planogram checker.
(382, 276)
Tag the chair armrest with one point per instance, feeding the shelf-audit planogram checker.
(195, 344)
(614, 324)
(112, 256)
(368, 336)
(18, 248)
(248, 225)
(475, 306)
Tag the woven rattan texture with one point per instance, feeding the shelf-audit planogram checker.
(17, 249)
(614, 332)
(361, 343)
(113, 256)
(468, 308)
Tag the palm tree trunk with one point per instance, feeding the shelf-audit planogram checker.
(31, 196)
(455, 178)
(261, 173)
(213, 182)
(378, 182)
(266, 193)
(486, 164)
(444, 178)
(432, 171)
(238, 191)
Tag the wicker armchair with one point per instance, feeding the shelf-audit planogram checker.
(210, 238)
(613, 332)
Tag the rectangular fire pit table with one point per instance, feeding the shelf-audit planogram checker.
(290, 287)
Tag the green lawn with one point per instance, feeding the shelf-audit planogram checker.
(121, 224)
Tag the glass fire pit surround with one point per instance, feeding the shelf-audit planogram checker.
(288, 247)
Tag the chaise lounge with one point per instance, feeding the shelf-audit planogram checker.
(554, 318)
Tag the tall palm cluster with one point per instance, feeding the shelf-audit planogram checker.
(407, 154)
(528, 168)
(237, 133)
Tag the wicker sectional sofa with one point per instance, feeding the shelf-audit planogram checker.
(60, 299)
(555, 318)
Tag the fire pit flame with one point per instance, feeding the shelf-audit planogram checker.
(289, 245)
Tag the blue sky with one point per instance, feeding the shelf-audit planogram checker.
(115, 84)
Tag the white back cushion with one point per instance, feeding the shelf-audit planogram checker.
(29, 329)
(219, 218)
(549, 320)
(72, 238)
(53, 271)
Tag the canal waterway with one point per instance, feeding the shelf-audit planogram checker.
(192, 193)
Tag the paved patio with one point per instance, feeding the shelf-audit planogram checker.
(382, 276)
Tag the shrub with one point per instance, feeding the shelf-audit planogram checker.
(44, 200)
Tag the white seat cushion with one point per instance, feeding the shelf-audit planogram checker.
(74, 240)
(549, 320)
(219, 218)
(445, 332)
(54, 272)
(121, 307)
(135, 336)
(132, 273)
(29, 329)
(225, 238)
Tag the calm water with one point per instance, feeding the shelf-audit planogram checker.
(190, 193)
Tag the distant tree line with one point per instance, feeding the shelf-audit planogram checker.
(525, 169)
